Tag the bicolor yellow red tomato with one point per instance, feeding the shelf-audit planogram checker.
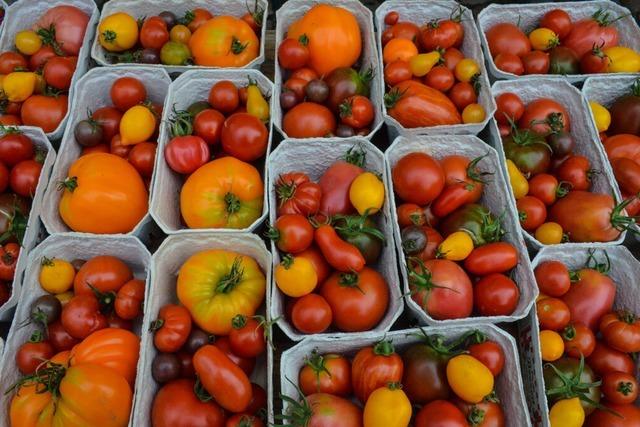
(456, 247)
(366, 193)
(137, 125)
(56, 275)
(519, 184)
(296, 276)
(469, 378)
(118, 32)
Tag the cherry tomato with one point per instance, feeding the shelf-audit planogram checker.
(357, 111)
(246, 364)
(247, 336)
(604, 360)
(9, 61)
(8, 259)
(24, 177)
(244, 136)
(440, 77)
(329, 373)
(553, 313)
(40, 58)
(496, 295)
(293, 54)
(185, 154)
(207, 124)
(509, 107)
(497, 257)
(558, 21)
(306, 74)
(59, 337)
(127, 92)
(463, 94)
(32, 354)
(224, 97)
(451, 58)
(81, 316)
(391, 18)
(536, 62)
(396, 72)
(553, 278)
(311, 314)
(15, 147)
(579, 340)
(118, 148)
(180, 34)
(292, 233)
(418, 178)
(297, 85)
(491, 355)
(58, 72)
(109, 119)
(142, 156)
(531, 211)
(619, 387)
(154, 33)
(509, 63)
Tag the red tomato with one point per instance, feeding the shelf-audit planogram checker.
(292, 233)
(545, 187)
(40, 58)
(309, 120)
(621, 332)
(553, 278)
(594, 31)
(127, 92)
(509, 63)
(578, 340)
(491, 355)
(509, 107)
(329, 373)
(142, 156)
(258, 400)
(496, 295)
(45, 112)
(105, 273)
(81, 316)
(247, 336)
(32, 354)
(604, 360)
(8, 259)
(176, 404)
(491, 412)
(410, 214)
(590, 297)
(297, 194)
(293, 54)
(15, 147)
(440, 413)
(306, 74)
(396, 72)
(9, 61)
(433, 241)
(463, 94)
(537, 112)
(70, 24)
(118, 148)
(507, 38)
(154, 33)
(311, 314)
(59, 337)
(185, 154)
(558, 21)
(374, 367)
(224, 96)
(402, 30)
(440, 77)
(619, 387)
(58, 72)
(357, 111)
(440, 34)
(391, 18)
(24, 177)
(553, 314)
(536, 62)
(532, 212)
(576, 170)
(4, 177)
(418, 178)
(246, 364)
(451, 58)
(335, 183)
(208, 125)
(594, 61)
(615, 415)
(244, 137)
(109, 119)
(497, 257)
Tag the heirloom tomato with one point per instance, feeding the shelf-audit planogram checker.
(329, 373)
(374, 367)
(297, 194)
(621, 331)
(507, 38)
(418, 178)
(177, 405)
(425, 372)
(414, 104)
(129, 299)
(154, 33)
(65, 27)
(335, 184)
(171, 329)
(103, 273)
(309, 120)
(620, 387)
(295, 277)
(593, 31)
(244, 136)
(605, 360)
(45, 112)
(118, 32)
(224, 41)
(615, 415)
(33, 353)
(323, 410)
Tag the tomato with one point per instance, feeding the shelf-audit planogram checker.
(81, 316)
(558, 21)
(528, 151)
(129, 299)
(594, 61)
(396, 72)
(154, 33)
(10, 120)
(109, 120)
(532, 212)
(39, 59)
(323, 409)
(127, 92)
(212, 305)
(13, 208)
(244, 420)
(496, 295)
(440, 77)
(604, 360)
(224, 193)
(576, 171)
(56, 275)
(536, 62)
(58, 72)
(207, 124)
(553, 278)
(391, 18)
(171, 328)
(138, 124)
(185, 154)
(295, 277)
(296, 194)
(357, 111)
(623, 333)
(424, 377)
(8, 259)
(247, 365)
(566, 375)
(545, 187)
(176, 405)
(374, 367)
(456, 247)
(507, 38)
(616, 415)
(336, 182)
(410, 214)
(142, 156)
(401, 30)
(619, 387)
(224, 41)
(104, 273)
(118, 32)
(627, 174)
(329, 373)
(537, 112)
(9, 61)
(579, 340)
(59, 337)
(377, 408)
(413, 104)
(258, 400)
(321, 266)
(553, 313)
(418, 178)
(451, 57)
(244, 136)
(551, 345)
(292, 232)
(247, 337)
(196, 18)
(442, 289)
(487, 413)
(358, 301)
(491, 258)
(293, 53)
(509, 63)
(440, 34)
(462, 94)
(24, 177)
(224, 96)
(593, 31)
(440, 413)
(491, 355)
(469, 378)
(69, 24)
(308, 120)
(45, 112)
(117, 148)
(32, 354)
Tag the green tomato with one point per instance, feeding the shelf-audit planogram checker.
(174, 53)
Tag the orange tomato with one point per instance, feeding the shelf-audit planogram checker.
(224, 41)
(399, 50)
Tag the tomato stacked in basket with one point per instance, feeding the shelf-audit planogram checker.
(588, 347)
(82, 348)
(448, 238)
(231, 126)
(197, 38)
(552, 183)
(20, 168)
(330, 244)
(448, 383)
(206, 351)
(323, 94)
(431, 82)
(619, 128)
(36, 79)
(559, 45)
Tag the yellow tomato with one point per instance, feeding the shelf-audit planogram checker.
(567, 413)
(367, 193)
(456, 247)
(118, 32)
(519, 184)
(137, 125)
(549, 233)
(601, 116)
(469, 378)
(19, 85)
(387, 407)
(543, 39)
(56, 275)
(551, 345)
(180, 34)
(65, 297)
(473, 113)
(466, 69)
(256, 104)
(422, 63)
(296, 276)
(2, 76)
(622, 60)
(28, 42)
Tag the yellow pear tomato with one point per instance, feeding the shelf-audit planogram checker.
(422, 63)
(601, 116)
(256, 104)
(366, 193)
(519, 184)
(456, 247)
(543, 39)
(28, 42)
(622, 60)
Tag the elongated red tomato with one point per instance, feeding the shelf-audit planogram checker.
(413, 105)
(492, 258)
(590, 297)
(341, 255)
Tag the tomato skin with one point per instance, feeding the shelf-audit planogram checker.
(58, 72)
(309, 120)
(297, 194)
(200, 16)
(507, 38)
(619, 387)
(536, 62)
(109, 119)
(293, 54)
(154, 33)
(81, 316)
(129, 299)
(340, 254)
(532, 212)
(127, 92)
(172, 328)
(414, 104)
(293, 233)
(558, 21)
(509, 106)
(176, 405)
(142, 156)
(553, 278)
(24, 177)
(396, 72)
(60, 338)
(70, 23)
(492, 258)
(604, 360)
(224, 96)
(590, 298)
(45, 112)
(358, 300)
(30, 355)
(374, 367)
(491, 355)
(496, 295)
(442, 34)
(509, 63)
(538, 110)
(594, 61)
(185, 154)
(553, 313)
(440, 413)
(335, 184)
(105, 273)
(329, 373)
(576, 171)
(329, 410)
(246, 364)
(463, 94)
(587, 33)
(247, 337)
(244, 136)
(207, 124)
(418, 178)
(600, 418)
(622, 333)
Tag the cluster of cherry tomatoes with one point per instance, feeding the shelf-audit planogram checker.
(449, 383)
(584, 338)
(36, 78)
(448, 237)
(20, 168)
(430, 80)
(330, 244)
(561, 46)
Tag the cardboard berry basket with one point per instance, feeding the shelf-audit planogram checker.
(313, 156)
(69, 247)
(623, 272)
(191, 87)
(146, 8)
(92, 92)
(508, 385)
(494, 198)
(22, 15)
(32, 234)
(165, 264)
(294, 10)
(420, 12)
(527, 18)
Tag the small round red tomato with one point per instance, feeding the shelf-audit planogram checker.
(320, 264)
(531, 212)
(619, 387)
(224, 96)
(309, 120)
(8, 259)
(81, 316)
(576, 170)
(391, 18)
(329, 373)
(109, 119)
(396, 72)
(463, 94)
(604, 360)
(537, 115)
(58, 72)
(105, 273)
(418, 178)
(32, 354)
(496, 295)
(127, 92)
(59, 337)
(185, 154)
(357, 111)
(40, 58)
(553, 314)
(451, 58)
(293, 54)
(439, 413)
(558, 21)
(440, 77)
(579, 340)
(306, 74)
(292, 233)
(410, 214)
(553, 278)
(594, 61)
(15, 147)
(45, 112)
(546, 188)
(245, 363)
(491, 355)
(244, 136)
(536, 62)
(197, 17)
(489, 411)
(247, 336)
(9, 61)
(142, 156)
(297, 86)
(154, 33)
(311, 314)
(208, 125)
(497, 257)
(118, 148)
(509, 63)
(24, 177)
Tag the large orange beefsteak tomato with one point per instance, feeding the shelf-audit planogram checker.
(85, 389)
(224, 193)
(414, 105)
(334, 37)
(224, 41)
(216, 285)
(103, 194)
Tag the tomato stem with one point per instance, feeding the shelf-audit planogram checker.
(239, 321)
(475, 416)
(232, 278)
(109, 36)
(356, 156)
(383, 348)
(155, 325)
(233, 203)
(237, 47)
(46, 378)
(48, 37)
(201, 393)
(70, 184)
